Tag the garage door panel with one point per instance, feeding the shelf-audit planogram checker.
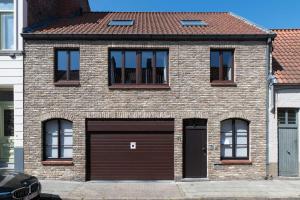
(112, 159)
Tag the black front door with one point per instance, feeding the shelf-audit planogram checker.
(195, 151)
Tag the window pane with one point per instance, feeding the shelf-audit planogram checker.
(227, 65)
(51, 139)
(66, 139)
(161, 67)
(214, 65)
(62, 65)
(292, 117)
(130, 67)
(6, 5)
(241, 138)
(147, 66)
(8, 123)
(75, 65)
(7, 31)
(241, 151)
(116, 66)
(226, 138)
(281, 117)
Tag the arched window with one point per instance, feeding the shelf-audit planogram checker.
(58, 139)
(234, 139)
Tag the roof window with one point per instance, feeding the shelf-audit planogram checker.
(120, 23)
(192, 23)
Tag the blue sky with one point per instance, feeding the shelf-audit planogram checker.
(267, 13)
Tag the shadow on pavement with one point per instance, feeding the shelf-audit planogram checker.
(45, 196)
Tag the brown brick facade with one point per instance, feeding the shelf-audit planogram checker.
(41, 10)
(190, 96)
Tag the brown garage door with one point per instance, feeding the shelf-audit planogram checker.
(132, 150)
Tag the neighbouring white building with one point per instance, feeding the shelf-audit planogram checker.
(12, 20)
(284, 148)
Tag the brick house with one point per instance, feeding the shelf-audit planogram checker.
(146, 96)
(284, 105)
(15, 15)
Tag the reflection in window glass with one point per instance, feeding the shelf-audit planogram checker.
(62, 65)
(292, 117)
(281, 117)
(147, 57)
(161, 66)
(227, 65)
(75, 65)
(116, 65)
(130, 67)
(6, 30)
(214, 65)
(6, 5)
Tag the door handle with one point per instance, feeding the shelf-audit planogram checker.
(288, 152)
(204, 149)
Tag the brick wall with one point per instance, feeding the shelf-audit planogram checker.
(41, 10)
(190, 96)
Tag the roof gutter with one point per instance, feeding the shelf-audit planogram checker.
(135, 37)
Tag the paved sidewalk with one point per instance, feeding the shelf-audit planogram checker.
(276, 189)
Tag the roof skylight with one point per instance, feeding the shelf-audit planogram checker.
(192, 23)
(120, 23)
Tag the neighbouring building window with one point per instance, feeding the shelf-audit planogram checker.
(221, 65)
(58, 139)
(234, 139)
(287, 117)
(139, 67)
(67, 65)
(6, 24)
(8, 123)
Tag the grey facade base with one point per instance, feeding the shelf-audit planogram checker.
(19, 159)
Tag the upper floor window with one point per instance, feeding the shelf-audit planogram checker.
(58, 139)
(221, 65)
(234, 139)
(139, 67)
(67, 65)
(6, 24)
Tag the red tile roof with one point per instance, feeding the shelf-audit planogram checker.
(286, 56)
(153, 23)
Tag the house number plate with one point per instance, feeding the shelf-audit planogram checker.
(132, 145)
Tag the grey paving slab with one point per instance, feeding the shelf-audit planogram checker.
(112, 190)
(276, 189)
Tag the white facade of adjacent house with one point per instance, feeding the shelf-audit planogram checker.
(12, 20)
(286, 100)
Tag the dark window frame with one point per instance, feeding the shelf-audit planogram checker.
(138, 83)
(44, 143)
(234, 140)
(68, 81)
(221, 67)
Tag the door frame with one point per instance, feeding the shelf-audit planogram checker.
(278, 143)
(183, 146)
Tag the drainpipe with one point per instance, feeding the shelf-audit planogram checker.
(270, 81)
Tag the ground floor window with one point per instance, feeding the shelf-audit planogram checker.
(58, 139)
(234, 139)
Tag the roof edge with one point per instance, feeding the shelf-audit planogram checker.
(285, 29)
(245, 37)
(253, 24)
